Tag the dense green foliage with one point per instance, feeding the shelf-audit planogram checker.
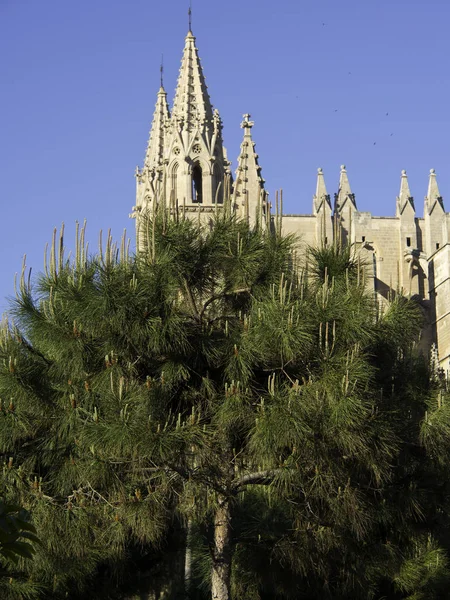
(140, 397)
(17, 534)
(17, 539)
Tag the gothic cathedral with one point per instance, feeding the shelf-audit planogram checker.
(186, 169)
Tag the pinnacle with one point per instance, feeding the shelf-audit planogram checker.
(344, 192)
(344, 183)
(321, 195)
(404, 186)
(404, 198)
(249, 183)
(155, 147)
(433, 189)
(433, 195)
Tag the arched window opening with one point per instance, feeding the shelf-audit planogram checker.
(197, 184)
(218, 185)
(173, 181)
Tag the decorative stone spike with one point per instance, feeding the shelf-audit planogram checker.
(249, 183)
(404, 199)
(344, 195)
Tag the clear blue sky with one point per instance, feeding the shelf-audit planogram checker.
(79, 82)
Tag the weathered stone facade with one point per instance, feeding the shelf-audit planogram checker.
(186, 168)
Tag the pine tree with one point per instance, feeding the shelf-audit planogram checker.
(219, 381)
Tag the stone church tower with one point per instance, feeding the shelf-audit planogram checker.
(186, 165)
(186, 169)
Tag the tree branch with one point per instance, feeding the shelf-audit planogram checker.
(257, 478)
(223, 295)
(191, 299)
(33, 350)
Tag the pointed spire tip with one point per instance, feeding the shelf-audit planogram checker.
(190, 17)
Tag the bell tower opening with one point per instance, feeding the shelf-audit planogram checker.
(197, 184)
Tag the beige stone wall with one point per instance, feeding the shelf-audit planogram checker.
(304, 226)
(435, 226)
(379, 239)
(439, 264)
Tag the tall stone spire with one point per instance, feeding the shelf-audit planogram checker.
(149, 180)
(155, 148)
(192, 105)
(404, 200)
(195, 156)
(185, 163)
(249, 185)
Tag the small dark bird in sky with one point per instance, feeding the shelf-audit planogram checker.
(387, 114)
(374, 143)
(391, 134)
(349, 73)
(335, 110)
(323, 24)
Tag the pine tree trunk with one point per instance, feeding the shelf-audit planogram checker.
(188, 561)
(221, 570)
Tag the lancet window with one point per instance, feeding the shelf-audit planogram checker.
(197, 184)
